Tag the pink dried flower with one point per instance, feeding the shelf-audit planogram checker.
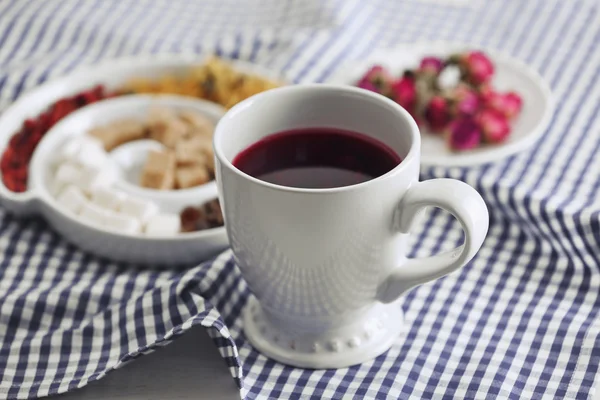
(368, 85)
(494, 125)
(431, 64)
(486, 94)
(404, 92)
(477, 67)
(437, 113)
(376, 77)
(463, 134)
(508, 104)
(465, 101)
(377, 71)
(514, 103)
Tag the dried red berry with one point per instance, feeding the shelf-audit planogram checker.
(44, 121)
(99, 92)
(189, 217)
(29, 125)
(5, 164)
(20, 187)
(15, 160)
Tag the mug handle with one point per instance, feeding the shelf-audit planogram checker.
(465, 204)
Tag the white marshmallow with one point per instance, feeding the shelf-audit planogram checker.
(94, 214)
(72, 199)
(92, 156)
(92, 141)
(163, 225)
(138, 208)
(75, 150)
(122, 223)
(66, 174)
(68, 151)
(57, 187)
(108, 198)
(92, 179)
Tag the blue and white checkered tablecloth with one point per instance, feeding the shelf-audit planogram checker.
(520, 321)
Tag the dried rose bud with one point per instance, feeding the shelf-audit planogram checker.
(376, 77)
(508, 104)
(431, 64)
(425, 90)
(437, 114)
(463, 134)
(377, 71)
(404, 92)
(465, 101)
(494, 125)
(477, 67)
(486, 94)
(367, 85)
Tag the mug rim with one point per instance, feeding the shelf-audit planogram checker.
(413, 151)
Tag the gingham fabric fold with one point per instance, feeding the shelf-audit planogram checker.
(520, 321)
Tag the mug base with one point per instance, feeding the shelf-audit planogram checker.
(354, 344)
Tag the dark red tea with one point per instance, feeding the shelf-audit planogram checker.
(317, 158)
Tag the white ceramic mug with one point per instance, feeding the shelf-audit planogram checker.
(327, 266)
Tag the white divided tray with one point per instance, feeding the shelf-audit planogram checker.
(183, 248)
(138, 247)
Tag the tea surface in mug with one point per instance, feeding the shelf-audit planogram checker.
(317, 158)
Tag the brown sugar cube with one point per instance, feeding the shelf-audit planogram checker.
(107, 136)
(168, 131)
(185, 155)
(198, 123)
(119, 132)
(159, 170)
(159, 114)
(129, 129)
(191, 175)
(201, 133)
(210, 165)
(203, 145)
(194, 150)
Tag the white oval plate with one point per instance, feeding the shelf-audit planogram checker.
(184, 248)
(511, 74)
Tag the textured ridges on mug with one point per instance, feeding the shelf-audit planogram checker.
(342, 347)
